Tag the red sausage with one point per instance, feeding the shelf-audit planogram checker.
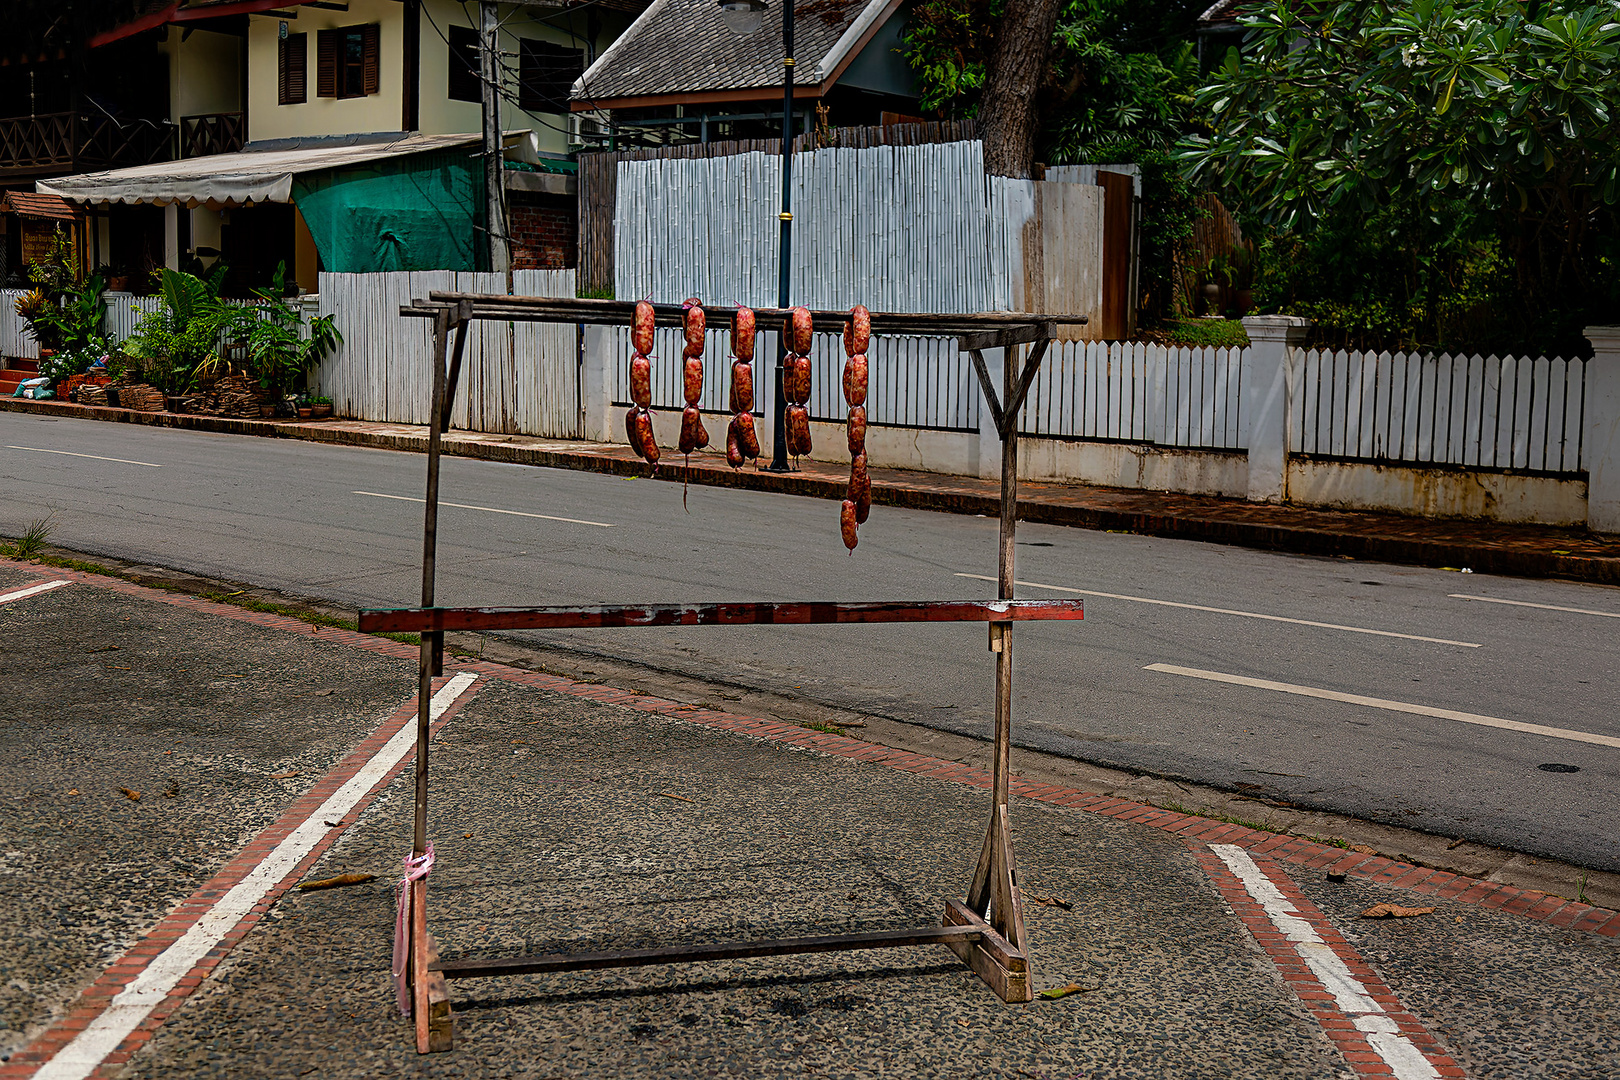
(692, 379)
(857, 430)
(742, 387)
(798, 430)
(855, 379)
(639, 424)
(799, 330)
(860, 488)
(746, 437)
(641, 330)
(796, 379)
(857, 331)
(693, 435)
(694, 321)
(846, 525)
(742, 334)
(641, 380)
(734, 454)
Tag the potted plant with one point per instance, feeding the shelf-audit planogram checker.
(282, 348)
(321, 406)
(178, 344)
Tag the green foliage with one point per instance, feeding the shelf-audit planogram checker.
(282, 348)
(1215, 333)
(1413, 113)
(180, 340)
(68, 362)
(61, 312)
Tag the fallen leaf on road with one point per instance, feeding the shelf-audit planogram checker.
(1051, 901)
(466, 836)
(1364, 849)
(336, 882)
(73, 791)
(282, 775)
(1064, 991)
(1394, 911)
(683, 798)
(1455, 843)
(132, 796)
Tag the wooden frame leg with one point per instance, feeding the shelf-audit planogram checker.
(430, 995)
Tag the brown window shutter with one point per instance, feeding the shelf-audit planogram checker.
(370, 46)
(326, 58)
(292, 84)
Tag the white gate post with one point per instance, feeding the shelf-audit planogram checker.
(1268, 390)
(595, 387)
(1600, 434)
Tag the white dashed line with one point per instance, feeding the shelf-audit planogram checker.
(1392, 706)
(491, 510)
(92, 457)
(1242, 614)
(1543, 607)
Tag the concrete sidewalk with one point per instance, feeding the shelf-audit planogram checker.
(1485, 547)
(571, 816)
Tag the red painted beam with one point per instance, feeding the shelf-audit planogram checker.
(175, 13)
(422, 620)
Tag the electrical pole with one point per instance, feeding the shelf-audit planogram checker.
(494, 166)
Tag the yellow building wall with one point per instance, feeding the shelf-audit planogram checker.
(382, 111)
(205, 72)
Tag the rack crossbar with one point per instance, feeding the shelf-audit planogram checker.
(681, 954)
(437, 619)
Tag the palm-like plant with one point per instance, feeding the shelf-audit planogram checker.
(282, 348)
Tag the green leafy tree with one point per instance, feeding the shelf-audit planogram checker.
(1408, 115)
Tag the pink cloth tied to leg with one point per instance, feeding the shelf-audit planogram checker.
(416, 866)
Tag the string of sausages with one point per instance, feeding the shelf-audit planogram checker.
(742, 443)
(693, 435)
(797, 333)
(858, 499)
(638, 425)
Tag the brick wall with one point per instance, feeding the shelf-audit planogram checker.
(545, 230)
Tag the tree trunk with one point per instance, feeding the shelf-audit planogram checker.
(1007, 112)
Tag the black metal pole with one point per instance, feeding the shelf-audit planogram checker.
(779, 456)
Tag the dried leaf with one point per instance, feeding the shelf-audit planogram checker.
(1064, 991)
(1457, 843)
(1394, 911)
(336, 882)
(1051, 901)
(282, 775)
(132, 796)
(1364, 849)
(73, 791)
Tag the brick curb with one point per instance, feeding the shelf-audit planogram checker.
(1482, 558)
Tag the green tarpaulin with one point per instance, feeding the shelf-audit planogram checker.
(420, 212)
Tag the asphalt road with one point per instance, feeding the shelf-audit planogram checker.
(344, 525)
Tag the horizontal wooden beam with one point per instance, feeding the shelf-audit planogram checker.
(620, 312)
(436, 619)
(684, 954)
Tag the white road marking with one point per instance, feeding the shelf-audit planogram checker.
(93, 457)
(79, 1058)
(1349, 994)
(1229, 611)
(47, 586)
(491, 509)
(1392, 706)
(1526, 603)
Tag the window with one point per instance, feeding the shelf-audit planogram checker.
(292, 70)
(546, 73)
(464, 77)
(348, 61)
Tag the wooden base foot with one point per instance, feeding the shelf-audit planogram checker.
(995, 960)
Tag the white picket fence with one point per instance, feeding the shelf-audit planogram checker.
(517, 378)
(1484, 412)
(14, 339)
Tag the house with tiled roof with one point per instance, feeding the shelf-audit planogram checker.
(680, 73)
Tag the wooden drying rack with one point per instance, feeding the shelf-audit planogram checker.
(986, 931)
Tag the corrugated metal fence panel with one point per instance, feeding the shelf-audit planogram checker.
(546, 362)
(14, 339)
(1138, 392)
(381, 370)
(1476, 411)
(897, 228)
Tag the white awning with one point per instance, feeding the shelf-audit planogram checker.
(247, 176)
